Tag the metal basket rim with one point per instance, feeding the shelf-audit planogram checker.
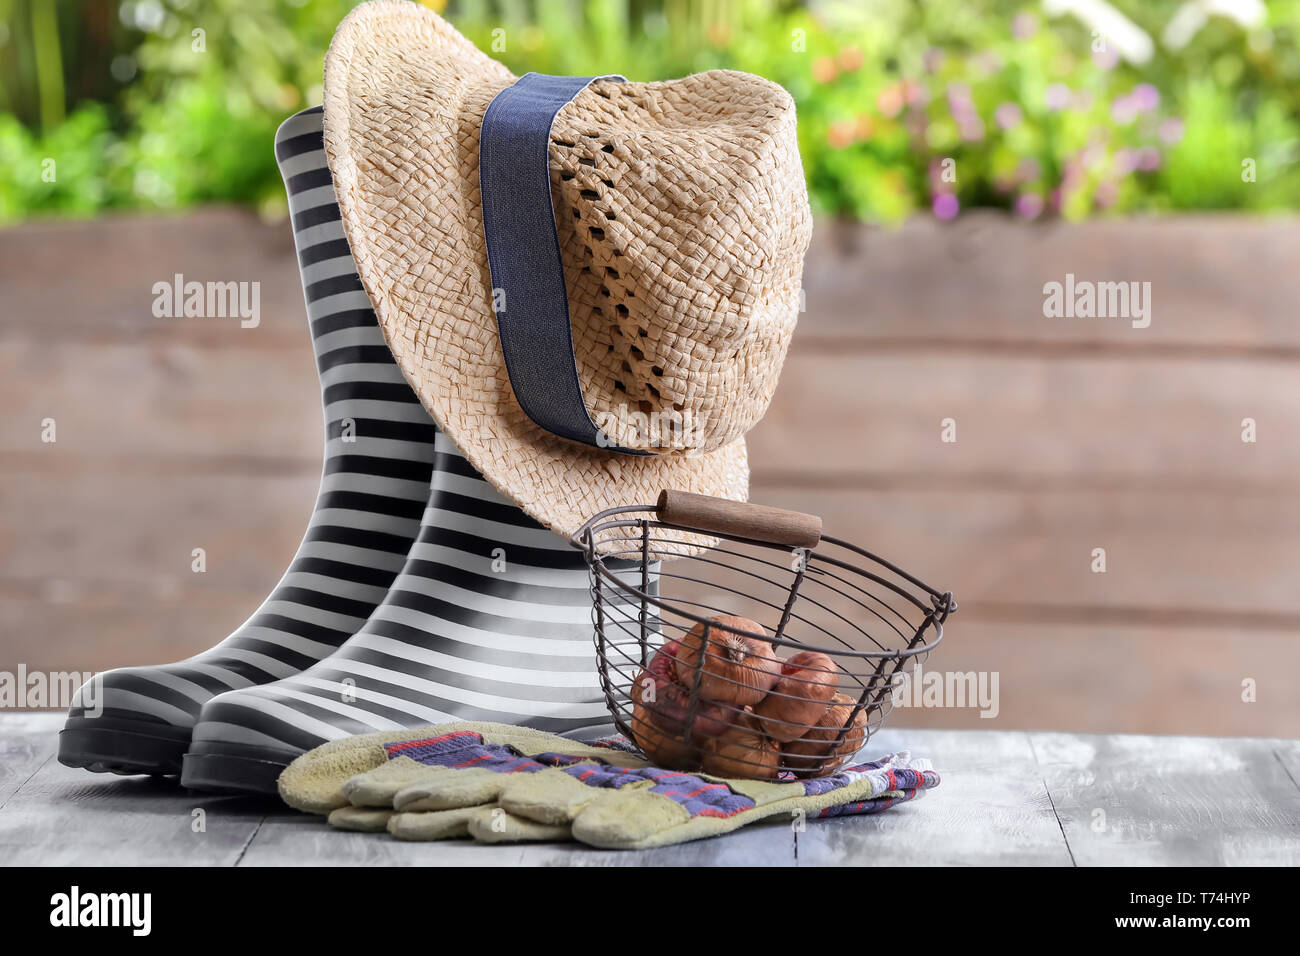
(943, 603)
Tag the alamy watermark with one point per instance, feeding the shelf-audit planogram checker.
(73, 909)
(180, 299)
(37, 690)
(667, 428)
(943, 689)
(1085, 299)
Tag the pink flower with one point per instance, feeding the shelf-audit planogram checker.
(1072, 172)
(1029, 205)
(890, 101)
(1106, 58)
(1171, 130)
(1057, 96)
(1008, 115)
(1124, 110)
(1024, 26)
(1148, 159)
(987, 62)
(971, 128)
(1145, 97)
(946, 206)
(842, 133)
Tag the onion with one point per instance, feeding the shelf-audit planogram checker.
(662, 672)
(743, 751)
(667, 704)
(800, 697)
(814, 755)
(662, 749)
(738, 670)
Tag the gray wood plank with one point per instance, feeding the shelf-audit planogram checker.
(119, 258)
(1051, 460)
(759, 844)
(1165, 678)
(61, 816)
(26, 743)
(1166, 551)
(1219, 283)
(841, 414)
(991, 807)
(1172, 801)
(195, 401)
(1006, 797)
(303, 840)
(1206, 576)
(1287, 753)
(1216, 280)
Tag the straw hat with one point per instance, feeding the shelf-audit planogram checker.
(682, 219)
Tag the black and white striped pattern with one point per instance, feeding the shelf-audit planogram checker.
(419, 594)
(378, 460)
(489, 619)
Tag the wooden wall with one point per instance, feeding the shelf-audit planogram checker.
(1072, 434)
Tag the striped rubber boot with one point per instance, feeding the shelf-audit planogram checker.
(378, 460)
(490, 619)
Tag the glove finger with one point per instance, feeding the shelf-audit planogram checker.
(624, 817)
(432, 825)
(314, 781)
(449, 789)
(551, 797)
(362, 819)
(378, 787)
(496, 825)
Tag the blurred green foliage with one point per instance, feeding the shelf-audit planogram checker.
(904, 104)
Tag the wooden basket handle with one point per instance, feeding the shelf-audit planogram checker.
(739, 518)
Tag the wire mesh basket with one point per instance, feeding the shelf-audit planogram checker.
(774, 652)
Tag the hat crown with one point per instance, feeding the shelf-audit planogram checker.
(683, 218)
(710, 223)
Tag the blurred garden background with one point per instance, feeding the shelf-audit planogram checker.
(1069, 108)
(1117, 508)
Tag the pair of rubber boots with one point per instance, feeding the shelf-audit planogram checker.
(419, 594)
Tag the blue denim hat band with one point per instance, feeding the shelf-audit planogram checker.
(528, 294)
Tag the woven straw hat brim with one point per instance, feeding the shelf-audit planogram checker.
(404, 96)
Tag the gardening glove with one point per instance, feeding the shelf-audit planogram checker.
(506, 784)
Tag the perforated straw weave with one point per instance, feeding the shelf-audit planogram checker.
(682, 217)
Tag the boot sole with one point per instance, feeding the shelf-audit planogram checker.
(122, 746)
(234, 769)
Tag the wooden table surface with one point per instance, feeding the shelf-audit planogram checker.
(1006, 797)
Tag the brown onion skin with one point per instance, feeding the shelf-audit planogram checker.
(669, 710)
(662, 749)
(738, 670)
(800, 697)
(811, 755)
(661, 673)
(743, 751)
